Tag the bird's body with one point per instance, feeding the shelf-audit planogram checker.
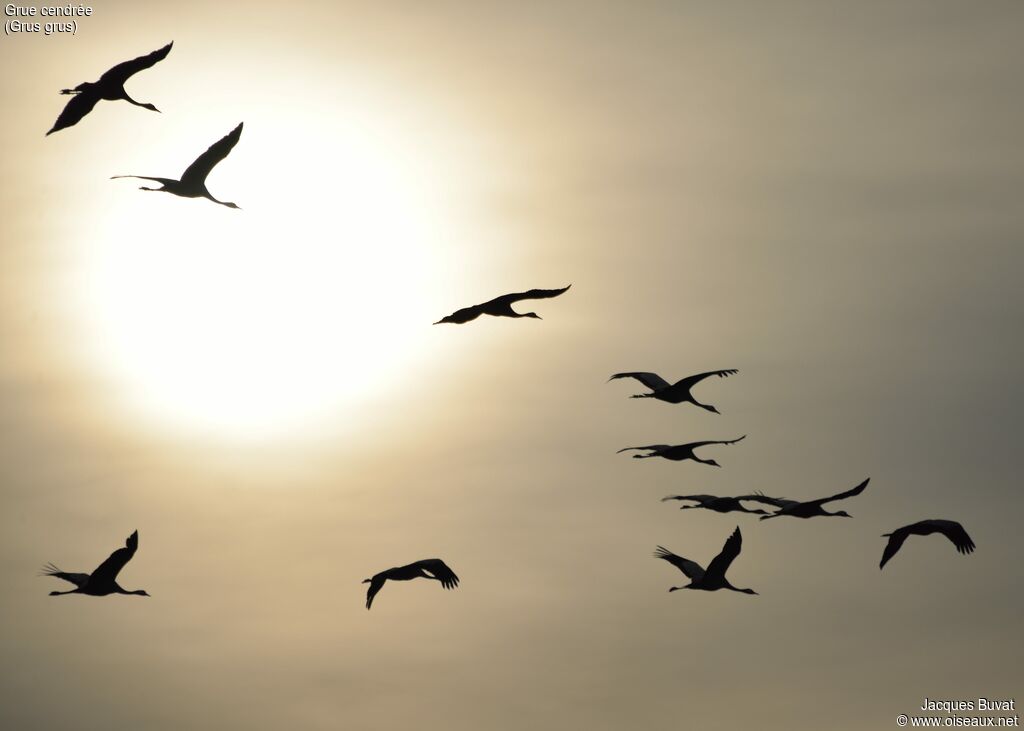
(679, 452)
(110, 86)
(713, 578)
(718, 504)
(949, 528)
(428, 568)
(810, 508)
(102, 581)
(501, 306)
(193, 180)
(675, 393)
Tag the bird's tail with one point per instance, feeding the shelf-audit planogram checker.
(366, 581)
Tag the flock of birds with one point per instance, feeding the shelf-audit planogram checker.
(192, 184)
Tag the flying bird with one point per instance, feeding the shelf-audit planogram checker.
(679, 452)
(193, 180)
(428, 568)
(949, 528)
(102, 581)
(501, 306)
(810, 508)
(714, 577)
(676, 393)
(718, 504)
(110, 86)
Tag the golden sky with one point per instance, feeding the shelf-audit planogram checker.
(824, 195)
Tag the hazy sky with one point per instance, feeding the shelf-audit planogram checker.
(824, 195)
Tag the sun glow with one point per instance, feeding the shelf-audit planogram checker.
(263, 321)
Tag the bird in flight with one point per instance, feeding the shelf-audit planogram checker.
(501, 306)
(102, 580)
(713, 578)
(110, 86)
(679, 452)
(810, 508)
(718, 504)
(676, 393)
(428, 568)
(193, 180)
(949, 528)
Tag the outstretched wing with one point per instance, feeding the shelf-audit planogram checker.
(691, 568)
(760, 497)
(74, 110)
(842, 495)
(533, 294)
(691, 381)
(440, 571)
(896, 539)
(695, 445)
(955, 533)
(376, 584)
(120, 73)
(196, 173)
(78, 580)
(652, 380)
(720, 563)
(109, 569)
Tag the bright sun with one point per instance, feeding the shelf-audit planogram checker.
(261, 321)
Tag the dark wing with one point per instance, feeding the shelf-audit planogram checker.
(842, 495)
(955, 533)
(896, 539)
(440, 571)
(75, 109)
(691, 568)
(699, 498)
(690, 381)
(695, 445)
(120, 73)
(533, 294)
(196, 173)
(78, 580)
(109, 569)
(652, 380)
(720, 563)
(760, 497)
(376, 583)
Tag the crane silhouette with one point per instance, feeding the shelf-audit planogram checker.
(713, 578)
(102, 581)
(679, 452)
(428, 568)
(676, 393)
(110, 86)
(501, 306)
(949, 528)
(193, 180)
(718, 504)
(809, 508)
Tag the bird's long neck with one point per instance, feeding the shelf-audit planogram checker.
(753, 511)
(206, 194)
(84, 86)
(706, 407)
(144, 105)
(711, 462)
